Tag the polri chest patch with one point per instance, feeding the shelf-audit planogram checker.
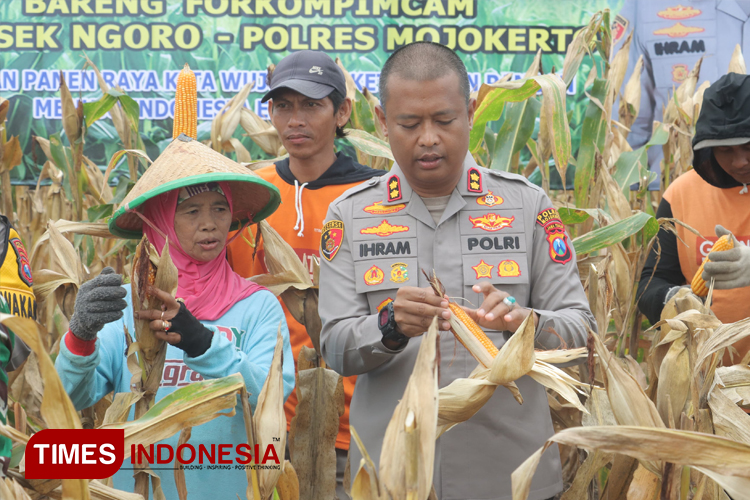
(331, 239)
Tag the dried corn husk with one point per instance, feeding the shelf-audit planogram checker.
(269, 420)
(674, 382)
(408, 452)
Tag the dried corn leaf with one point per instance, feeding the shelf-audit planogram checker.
(65, 258)
(408, 452)
(366, 485)
(674, 382)
(737, 62)
(725, 461)
(97, 229)
(262, 133)
(728, 419)
(288, 485)
(351, 88)
(228, 118)
(11, 490)
(723, 337)
(312, 438)
(118, 411)
(57, 408)
(269, 419)
(630, 100)
(189, 406)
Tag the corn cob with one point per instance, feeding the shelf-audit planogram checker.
(186, 105)
(698, 285)
(471, 336)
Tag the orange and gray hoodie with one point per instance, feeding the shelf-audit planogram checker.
(299, 221)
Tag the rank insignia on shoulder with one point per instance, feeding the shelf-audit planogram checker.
(383, 304)
(399, 272)
(508, 269)
(394, 188)
(331, 239)
(474, 181)
(374, 276)
(377, 208)
(384, 229)
(490, 200)
(491, 222)
(483, 269)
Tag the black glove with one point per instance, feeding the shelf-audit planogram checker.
(99, 301)
(196, 338)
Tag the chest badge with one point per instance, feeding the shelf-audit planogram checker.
(679, 30)
(394, 188)
(399, 272)
(384, 229)
(679, 12)
(508, 269)
(679, 72)
(377, 208)
(490, 200)
(474, 181)
(330, 240)
(483, 269)
(491, 222)
(374, 276)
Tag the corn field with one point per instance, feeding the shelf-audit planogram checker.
(645, 412)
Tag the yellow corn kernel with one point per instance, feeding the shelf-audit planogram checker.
(186, 105)
(698, 285)
(472, 336)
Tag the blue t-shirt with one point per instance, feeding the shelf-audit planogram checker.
(244, 340)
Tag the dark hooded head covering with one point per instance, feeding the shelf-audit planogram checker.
(724, 121)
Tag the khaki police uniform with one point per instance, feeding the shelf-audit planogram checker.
(672, 36)
(496, 226)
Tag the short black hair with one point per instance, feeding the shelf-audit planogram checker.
(337, 99)
(423, 61)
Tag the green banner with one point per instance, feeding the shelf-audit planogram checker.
(141, 45)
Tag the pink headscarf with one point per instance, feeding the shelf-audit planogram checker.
(209, 289)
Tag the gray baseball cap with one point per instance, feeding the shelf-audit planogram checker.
(311, 73)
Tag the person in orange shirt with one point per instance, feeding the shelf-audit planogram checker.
(309, 109)
(713, 199)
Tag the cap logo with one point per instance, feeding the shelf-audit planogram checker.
(316, 69)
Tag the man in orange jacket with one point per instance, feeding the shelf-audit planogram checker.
(309, 109)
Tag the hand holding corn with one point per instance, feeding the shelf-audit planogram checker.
(729, 268)
(415, 307)
(494, 314)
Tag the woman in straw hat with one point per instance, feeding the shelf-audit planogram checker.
(222, 325)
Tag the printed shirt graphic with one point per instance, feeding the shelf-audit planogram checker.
(717, 206)
(314, 206)
(246, 347)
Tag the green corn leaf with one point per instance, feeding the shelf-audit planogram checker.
(369, 144)
(92, 111)
(611, 234)
(554, 118)
(98, 212)
(491, 106)
(362, 117)
(131, 109)
(631, 166)
(516, 130)
(592, 140)
(571, 216)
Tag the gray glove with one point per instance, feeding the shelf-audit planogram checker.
(99, 301)
(730, 268)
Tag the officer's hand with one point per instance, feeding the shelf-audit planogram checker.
(494, 314)
(415, 307)
(730, 268)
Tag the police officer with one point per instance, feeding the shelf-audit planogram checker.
(672, 36)
(493, 239)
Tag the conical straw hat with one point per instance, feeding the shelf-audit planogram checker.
(186, 162)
